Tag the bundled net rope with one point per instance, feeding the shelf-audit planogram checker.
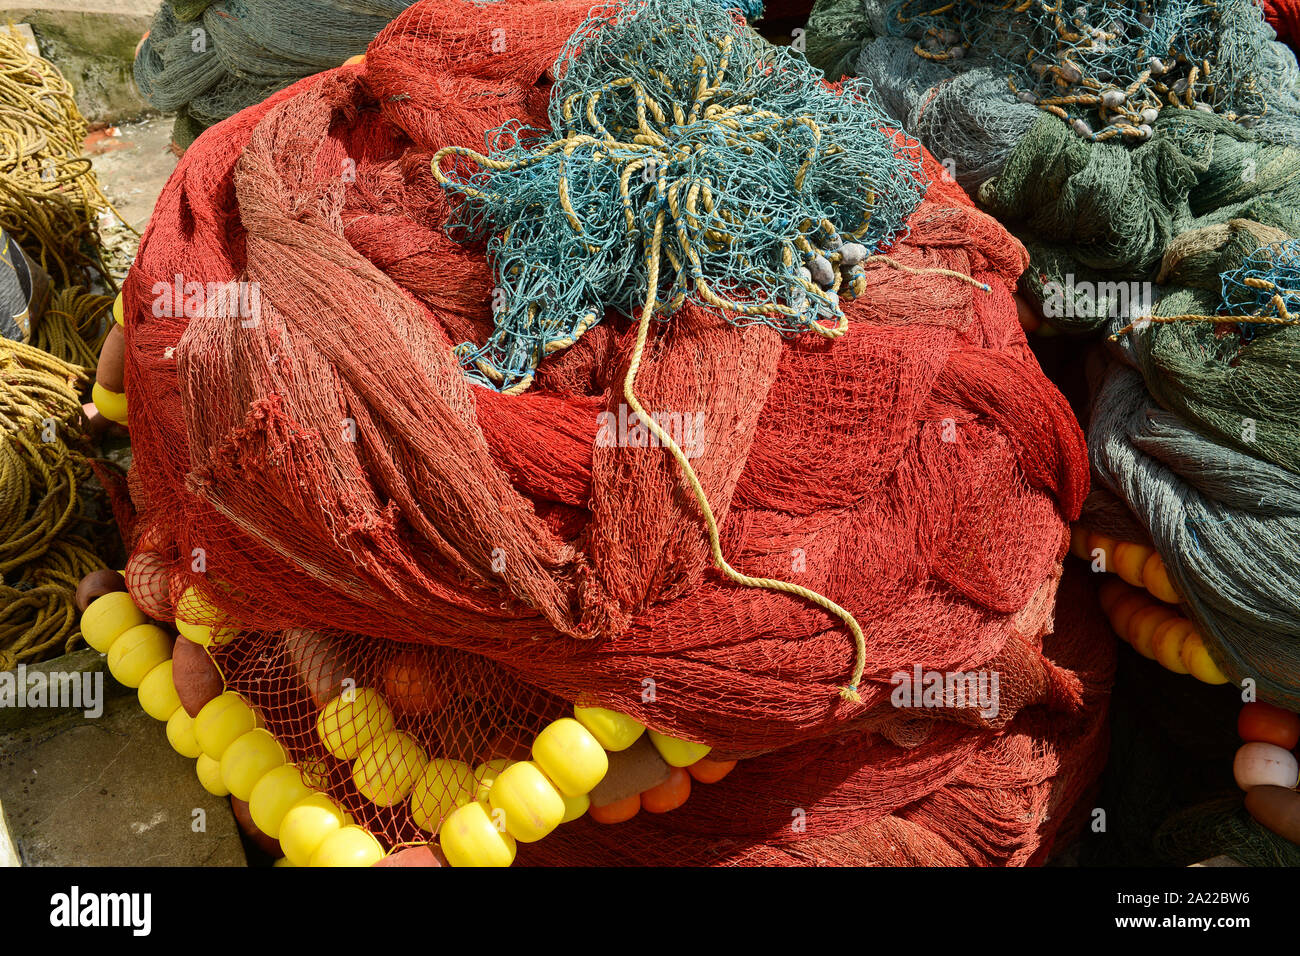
(362, 508)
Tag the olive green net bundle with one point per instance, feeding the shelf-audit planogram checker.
(207, 60)
(1098, 132)
(1193, 428)
(1146, 155)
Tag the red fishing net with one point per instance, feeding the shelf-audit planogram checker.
(325, 475)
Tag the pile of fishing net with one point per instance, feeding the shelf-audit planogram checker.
(50, 332)
(1097, 133)
(416, 454)
(1148, 155)
(1192, 434)
(208, 59)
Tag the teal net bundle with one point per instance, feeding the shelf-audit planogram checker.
(206, 61)
(367, 508)
(750, 187)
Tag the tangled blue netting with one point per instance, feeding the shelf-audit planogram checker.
(677, 129)
(1267, 283)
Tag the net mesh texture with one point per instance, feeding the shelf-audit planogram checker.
(365, 512)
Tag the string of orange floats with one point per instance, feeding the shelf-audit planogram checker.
(1266, 767)
(1141, 604)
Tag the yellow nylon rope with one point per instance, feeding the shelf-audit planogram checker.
(42, 474)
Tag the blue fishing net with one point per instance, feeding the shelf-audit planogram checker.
(685, 154)
(1266, 284)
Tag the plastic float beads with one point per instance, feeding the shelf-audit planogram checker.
(109, 391)
(477, 815)
(1265, 767)
(481, 815)
(1142, 606)
(233, 754)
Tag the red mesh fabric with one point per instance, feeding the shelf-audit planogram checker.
(1284, 17)
(329, 469)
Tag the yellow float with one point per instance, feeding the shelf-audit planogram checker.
(157, 693)
(443, 786)
(485, 775)
(306, 826)
(138, 651)
(223, 720)
(677, 752)
(209, 772)
(108, 617)
(348, 846)
(469, 838)
(273, 796)
(349, 722)
(247, 759)
(180, 734)
(613, 730)
(191, 608)
(112, 405)
(1155, 629)
(570, 756)
(532, 805)
(386, 768)
(479, 815)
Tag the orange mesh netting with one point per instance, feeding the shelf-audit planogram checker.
(364, 512)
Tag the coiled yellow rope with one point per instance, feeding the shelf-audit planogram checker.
(41, 477)
(50, 200)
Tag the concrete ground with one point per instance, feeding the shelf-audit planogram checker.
(133, 162)
(104, 790)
